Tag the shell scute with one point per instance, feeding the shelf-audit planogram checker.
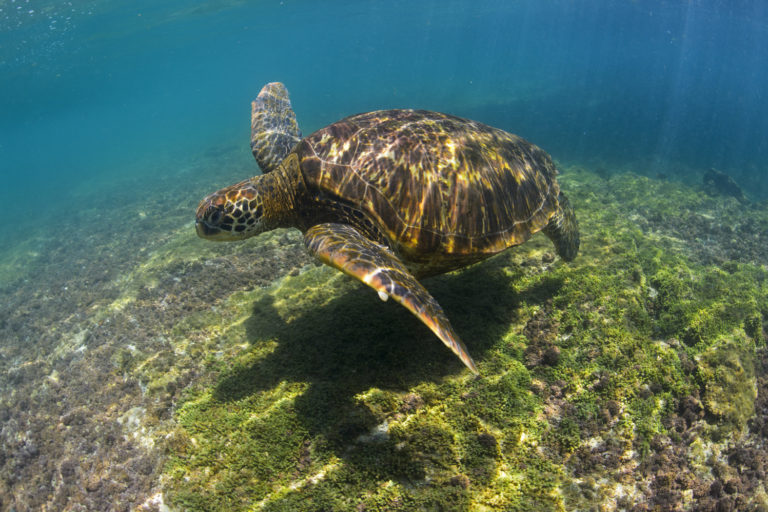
(433, 183)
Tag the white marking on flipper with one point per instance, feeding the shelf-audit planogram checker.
(383, 296)
(369, 277)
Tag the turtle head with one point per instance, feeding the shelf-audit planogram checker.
(233, 213)
(253, 206)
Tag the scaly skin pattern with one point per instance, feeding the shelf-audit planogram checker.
(445, 191)
(274, 130)
(232, 210)
(343, 247)
(252, 206)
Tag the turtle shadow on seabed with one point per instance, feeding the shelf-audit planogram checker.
(354, 342)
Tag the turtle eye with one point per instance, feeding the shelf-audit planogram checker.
(213, 214)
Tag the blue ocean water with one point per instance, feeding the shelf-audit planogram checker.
(95, 88)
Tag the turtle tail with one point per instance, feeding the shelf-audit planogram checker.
(274, 130)
(563, 230)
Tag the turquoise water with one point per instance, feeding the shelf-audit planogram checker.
(88, 87)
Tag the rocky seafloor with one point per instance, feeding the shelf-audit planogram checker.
(144, 369)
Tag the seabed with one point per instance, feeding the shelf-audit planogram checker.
(144, 369)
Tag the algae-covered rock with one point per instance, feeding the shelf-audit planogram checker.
(727, 371)
(242, 377)
(619, 379)
(753, 327)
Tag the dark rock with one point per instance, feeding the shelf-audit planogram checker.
(460, 481)
(753, 326)
(68, 468)
(551, 356)
(731, 486)
(724, 505)
(487, 440)
(717, 183)
(411, 402)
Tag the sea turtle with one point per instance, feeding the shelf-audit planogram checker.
(392, 196)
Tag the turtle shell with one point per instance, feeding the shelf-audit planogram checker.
(437, 186)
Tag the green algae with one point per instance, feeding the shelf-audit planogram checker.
(635, 374)
(727, 372)
(425, 442)
(320, 397)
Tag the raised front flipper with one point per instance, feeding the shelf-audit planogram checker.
(343, 247)
(274, 130)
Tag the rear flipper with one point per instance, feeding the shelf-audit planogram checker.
(274, 130)
(563, 230)
(343, 247)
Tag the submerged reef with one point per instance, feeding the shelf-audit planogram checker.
(184, 375)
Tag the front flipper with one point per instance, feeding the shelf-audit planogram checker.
(343, 247)
(274, 131)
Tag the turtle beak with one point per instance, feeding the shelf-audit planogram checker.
(209, 215)
(204, 230)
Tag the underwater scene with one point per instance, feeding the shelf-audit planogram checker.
(154, 356)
